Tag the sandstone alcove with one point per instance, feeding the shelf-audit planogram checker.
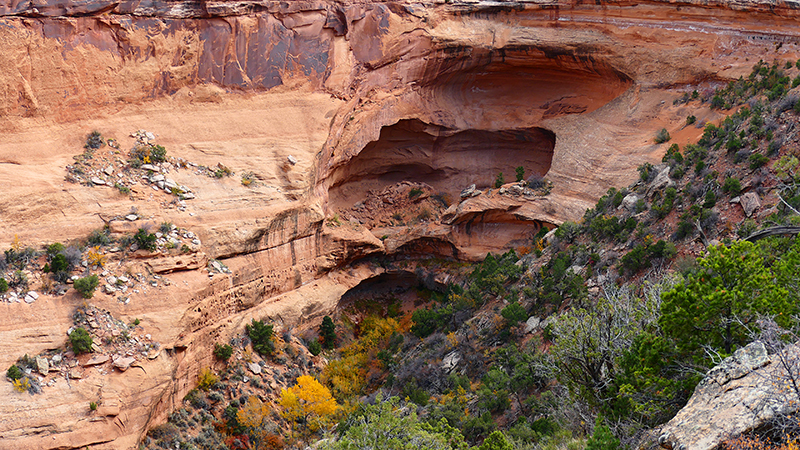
(448, 160)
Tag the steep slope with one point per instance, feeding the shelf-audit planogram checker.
(362, 96)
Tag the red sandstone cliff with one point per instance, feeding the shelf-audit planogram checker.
(363, 95)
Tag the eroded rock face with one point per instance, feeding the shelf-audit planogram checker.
(739, 395)
(323, 101)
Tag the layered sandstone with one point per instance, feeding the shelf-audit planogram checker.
(363, 96)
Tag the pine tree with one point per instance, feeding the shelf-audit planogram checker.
(328, 332)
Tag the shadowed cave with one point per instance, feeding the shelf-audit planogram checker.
(411, 150)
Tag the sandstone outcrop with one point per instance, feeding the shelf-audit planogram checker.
(741, 394)
(325, 103)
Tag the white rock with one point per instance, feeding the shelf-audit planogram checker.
(292, 160)
(255, 368)
(98, 181)
(532, 324)
(34, 295)
(131, 217)
(109, 170)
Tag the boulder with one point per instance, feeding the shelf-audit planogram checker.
(532, 324)
(629, 202)
(255, 368)
(123, 363)
(42, 365)
(470, 191)
(750, 203)
(662, 180)
(739, 395)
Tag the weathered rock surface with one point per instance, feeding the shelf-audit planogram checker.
(324, 101)
(739, 395)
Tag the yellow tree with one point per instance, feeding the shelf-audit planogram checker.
(254, 416)
(308, 403)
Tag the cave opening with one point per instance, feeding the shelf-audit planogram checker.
(390, 293)
(447, 160)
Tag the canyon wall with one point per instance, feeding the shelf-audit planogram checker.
(331, 105)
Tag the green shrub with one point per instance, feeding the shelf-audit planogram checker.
(14, 372)
(54, 249)
(145, 240)
(662, 136)
(690, 120)
(223, 352)
(261, 336)
(80, 340)
(3, 285)
(646, 172)
(514, 313)
(758, 160)
(98, 238)
(92, 406)
(87, 285)
(732, 186)
(158, 153)
(602, 438)
(315, 347)
(642, 255)
(414, 192)
(710, 199)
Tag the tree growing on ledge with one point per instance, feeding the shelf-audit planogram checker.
(261, 336)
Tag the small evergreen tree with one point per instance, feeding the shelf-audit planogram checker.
(328, 332)
(81, 341)
(602, 438)
(520, 171)
(87, 285)
(261, 336)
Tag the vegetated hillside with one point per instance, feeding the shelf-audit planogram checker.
(585, 339)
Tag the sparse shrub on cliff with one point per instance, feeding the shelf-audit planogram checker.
(98, 238)
(732, 186)
(14, 372)
(757, 160)
(223, 352)
(94, 141)
(646, 172)
(315, 347)
(206, 379)
(80, 340)
(261, 336)
(662, 136)
(248, 178)
(87, 285)
(414, 193)
(145, 240)
(222, 171)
